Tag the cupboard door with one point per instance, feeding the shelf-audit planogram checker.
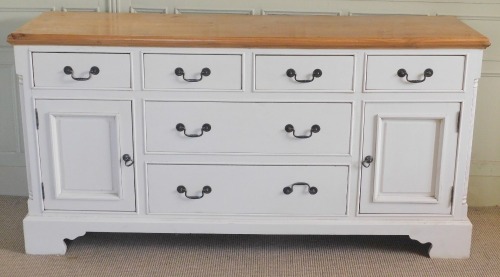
(413, 146)
(82, 143)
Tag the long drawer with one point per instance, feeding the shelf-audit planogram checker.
(247, 189)
(81, 70)
(415, 73)
(267, 128)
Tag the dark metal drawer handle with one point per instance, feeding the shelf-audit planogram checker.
(289, 189)
(128, 160)
(204, 128)
(314, 129)
(205, 190)
(427, 73)
(367, 161)
(93, 71)
(204, 72)
(316, 74)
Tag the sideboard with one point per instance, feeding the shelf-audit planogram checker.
(234, 124)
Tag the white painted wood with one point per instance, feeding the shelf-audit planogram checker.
(225, 71)
(45, 239)
(414, 148)
(381, 73)
(449, 238)
(447, 243)
(154, 109)
(236, 187)
(81, 145)
(115, 70)
(337, 73)
(248, 127)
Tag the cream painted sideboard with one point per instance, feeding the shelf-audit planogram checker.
(248, 125)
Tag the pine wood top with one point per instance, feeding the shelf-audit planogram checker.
(105, 29)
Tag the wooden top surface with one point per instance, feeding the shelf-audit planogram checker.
(245, 31)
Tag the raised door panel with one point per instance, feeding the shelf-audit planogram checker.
(81, 145)
(413, 146)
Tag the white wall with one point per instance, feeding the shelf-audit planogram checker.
(483, 15)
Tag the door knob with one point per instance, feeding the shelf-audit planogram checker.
(367, 161)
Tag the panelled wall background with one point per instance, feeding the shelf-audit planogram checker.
(483, 15)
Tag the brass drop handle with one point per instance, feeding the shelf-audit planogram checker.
(204, 128)
(290, 129)
(316, 74)
(68, 70)
(205, 190)
(205, 72)
(427, 73)
(310, 189)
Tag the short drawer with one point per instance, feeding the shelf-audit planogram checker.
(191, 71)
(234, 189)
(415, 73)
(81, 70)
(304, 73)
(259, 128)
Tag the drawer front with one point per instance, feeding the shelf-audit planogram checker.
(297, 73)
(113, 70)
(248, 127)
(235, 189)
(183, 71)
(447, 73)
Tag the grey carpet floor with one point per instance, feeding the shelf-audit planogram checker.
(244, 255)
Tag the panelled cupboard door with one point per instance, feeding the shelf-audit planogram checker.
(81, 147)
(413, 146)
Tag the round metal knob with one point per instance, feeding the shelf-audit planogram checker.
(367, 161)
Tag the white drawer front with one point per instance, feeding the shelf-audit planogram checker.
(447, 73)
(337, 73)
(246, 189)
(113, 70)
(160, 71)
(248, 127)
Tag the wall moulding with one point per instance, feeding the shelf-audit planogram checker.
(210, 11)
(148, 10)
(284, 12)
